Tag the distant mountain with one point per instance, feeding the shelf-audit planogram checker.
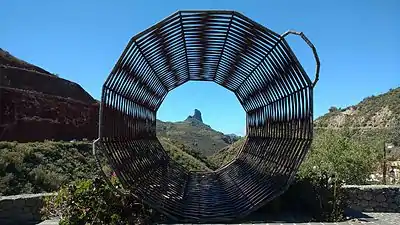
(232, 138)
(195, 134)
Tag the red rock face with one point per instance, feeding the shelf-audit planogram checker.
(36, 105)
(30, 80)
(32, 116)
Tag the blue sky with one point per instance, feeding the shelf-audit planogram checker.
(358, 43)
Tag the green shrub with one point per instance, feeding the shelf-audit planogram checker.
(335, 158)
(43, 166)
(93, 202)
(336, 154)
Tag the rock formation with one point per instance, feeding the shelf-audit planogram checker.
(196, 115)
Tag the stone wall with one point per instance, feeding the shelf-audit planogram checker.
(21, 209)
(373, 198)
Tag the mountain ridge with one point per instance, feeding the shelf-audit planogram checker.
(6, 59)
(195, 134)
(381, 111)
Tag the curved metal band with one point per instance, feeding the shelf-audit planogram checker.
(304, 37)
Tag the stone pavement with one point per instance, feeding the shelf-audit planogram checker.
(356, 219)
(386, 218)
(49, 222)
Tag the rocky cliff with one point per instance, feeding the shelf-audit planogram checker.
(37, 105)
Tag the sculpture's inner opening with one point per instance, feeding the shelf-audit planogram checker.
(201, 120)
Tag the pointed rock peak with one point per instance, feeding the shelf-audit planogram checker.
(196, 115)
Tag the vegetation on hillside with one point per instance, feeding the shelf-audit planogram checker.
(193, 134)
(382, 111)
(226, 154)
(372, 123)
(45, 166)
(185, 157)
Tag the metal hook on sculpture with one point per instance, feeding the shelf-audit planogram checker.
(311, 45)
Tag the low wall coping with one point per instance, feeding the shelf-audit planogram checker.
(379, 186)
(25, 196)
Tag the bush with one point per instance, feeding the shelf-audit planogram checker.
(336, 154)
(43, 166)
(333, 109)
(94, 202)
(335, 159)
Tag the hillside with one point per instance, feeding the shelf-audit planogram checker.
(44, 166)
(194, 134)
(382, 111)
(375, 120)
(185, 157)
(226, 154)
(7, 59)
(18, 74)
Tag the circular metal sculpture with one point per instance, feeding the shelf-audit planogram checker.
(225, 47)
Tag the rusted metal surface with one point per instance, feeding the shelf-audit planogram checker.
(225, 47)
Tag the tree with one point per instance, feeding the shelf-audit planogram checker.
(333, 109)
(336, 155)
